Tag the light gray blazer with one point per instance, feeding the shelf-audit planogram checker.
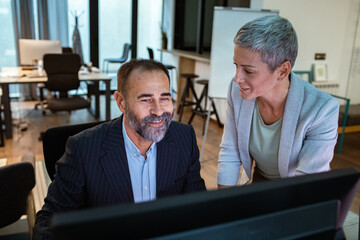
(308, 134)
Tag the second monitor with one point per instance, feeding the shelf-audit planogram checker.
(31, 50)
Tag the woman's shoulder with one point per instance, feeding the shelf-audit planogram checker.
(312, 95)
(311, 101)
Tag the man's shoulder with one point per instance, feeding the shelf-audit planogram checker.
(180, 134)
(98, 132)
(178, 130)
(176, 126)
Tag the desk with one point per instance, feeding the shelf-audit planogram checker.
(94, 77)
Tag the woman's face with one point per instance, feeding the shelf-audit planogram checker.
(253, 76)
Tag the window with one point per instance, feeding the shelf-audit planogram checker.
(149, 27)
(7, 36)
(114, 30)
(7, 42)
(80, 8)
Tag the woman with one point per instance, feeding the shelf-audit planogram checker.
(287, 126)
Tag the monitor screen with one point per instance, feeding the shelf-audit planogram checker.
(32, 50)
(298, 207)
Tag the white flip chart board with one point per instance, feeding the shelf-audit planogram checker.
(227, 21)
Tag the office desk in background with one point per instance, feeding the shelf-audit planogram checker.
(93, 77)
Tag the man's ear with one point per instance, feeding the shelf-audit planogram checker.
(120, 101)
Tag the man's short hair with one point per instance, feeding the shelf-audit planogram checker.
(273, 37)
(143, 64)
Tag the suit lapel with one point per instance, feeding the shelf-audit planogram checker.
(166, 159)
(290, 120)
(114, 163)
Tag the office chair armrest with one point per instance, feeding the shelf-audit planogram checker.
(30, 202)
(29, 157)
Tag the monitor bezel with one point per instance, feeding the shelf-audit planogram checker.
(196, 210)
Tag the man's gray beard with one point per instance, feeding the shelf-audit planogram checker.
(152, 134)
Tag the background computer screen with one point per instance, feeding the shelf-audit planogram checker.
(310, 205)
(32, 50)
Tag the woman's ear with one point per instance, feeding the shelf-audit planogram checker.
(284, 70)
(120, 101)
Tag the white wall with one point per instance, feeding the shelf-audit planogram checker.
(323, 26)
(353, 86)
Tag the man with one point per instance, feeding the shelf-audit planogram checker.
(140, 156)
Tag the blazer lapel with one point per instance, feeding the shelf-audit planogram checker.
(290, 120)
(244, 126)
(166, 159)
(114, 163)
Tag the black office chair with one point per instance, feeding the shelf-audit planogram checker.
(172, 71)
(107, 61)
(2, 140)
(16, 199)
(41, 86)
(151, 53)
(54, 142)
(67, 50)
(62, 73)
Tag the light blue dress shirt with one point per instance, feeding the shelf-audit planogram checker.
(142, 171)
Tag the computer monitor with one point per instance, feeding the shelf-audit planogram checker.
(313, 205)
(32, 50)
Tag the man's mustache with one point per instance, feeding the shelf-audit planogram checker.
(154, 118)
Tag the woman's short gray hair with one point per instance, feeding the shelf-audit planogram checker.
(273, 37)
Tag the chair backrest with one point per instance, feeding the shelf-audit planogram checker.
(151, 53)
(54, 143)
(126, 50)
(62, 71)
(16, 182)
(67, 50)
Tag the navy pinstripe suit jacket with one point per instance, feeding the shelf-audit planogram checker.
(94, 171)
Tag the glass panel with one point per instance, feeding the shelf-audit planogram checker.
(36, 18)
(80, 8)
(114, 30)
(7, 36)
(149, 28)
(7, 42)
(58, 21)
